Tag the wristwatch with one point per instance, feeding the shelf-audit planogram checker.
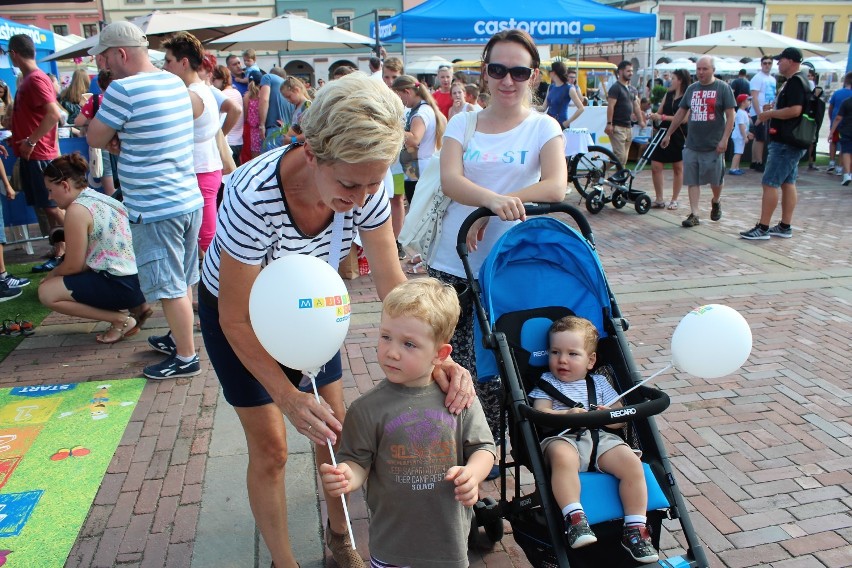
(30, 144)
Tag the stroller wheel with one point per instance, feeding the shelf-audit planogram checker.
(618, 199)
(494, 530)
(643, 205)
(488, 514)
(594, 202)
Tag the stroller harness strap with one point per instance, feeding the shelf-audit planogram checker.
(593, 401)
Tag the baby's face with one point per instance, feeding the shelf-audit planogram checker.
(569, 359)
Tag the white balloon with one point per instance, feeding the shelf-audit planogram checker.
(711, 341)
(299, 309)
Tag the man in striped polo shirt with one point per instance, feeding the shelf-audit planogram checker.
(146, 118)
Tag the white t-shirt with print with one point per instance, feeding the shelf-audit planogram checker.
(766, 87)
(503, 163)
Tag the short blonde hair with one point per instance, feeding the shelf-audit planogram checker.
(578, 325)
(354, 120)
(428, 300)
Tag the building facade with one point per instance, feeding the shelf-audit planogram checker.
(826, 22)
(62, 18)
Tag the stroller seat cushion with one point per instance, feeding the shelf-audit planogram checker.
(600, 499)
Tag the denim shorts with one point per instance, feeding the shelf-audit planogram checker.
(167, 255)
(701, 168)
(782, 164)
(240, 388)
(845, 145)
(104, 290)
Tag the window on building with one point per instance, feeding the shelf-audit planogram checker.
(802, 31)
(60, 29)
(691, 29)
(777, 28)
(716, 26)
(343, 22)
(745, 23)
(828, 32)
(90, 29)
(665, 30)
(385, 14)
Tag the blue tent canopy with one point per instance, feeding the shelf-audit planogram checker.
(553, 22)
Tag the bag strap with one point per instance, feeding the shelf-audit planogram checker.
(469, 128)
(411, 116)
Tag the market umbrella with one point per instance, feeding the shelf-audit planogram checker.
(158, 25)
(427, 66)
(290, 32)
(745, 42)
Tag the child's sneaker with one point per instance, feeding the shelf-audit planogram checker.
(736, 172)
(637, 541)
(578, 530)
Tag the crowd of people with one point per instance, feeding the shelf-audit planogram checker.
(221, 169)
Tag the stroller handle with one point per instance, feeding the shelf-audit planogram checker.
(531, 210)
(657, 401)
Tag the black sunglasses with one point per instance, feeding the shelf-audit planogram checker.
(498, 71)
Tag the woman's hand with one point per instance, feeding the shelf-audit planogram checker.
(476, 233)
(313, 419)
(507, 207)
(457, 382)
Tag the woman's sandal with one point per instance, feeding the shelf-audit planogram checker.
(672, 206)
(414, 260)
(141, 317)
(123, 332)
(419, 268)
(659, 205)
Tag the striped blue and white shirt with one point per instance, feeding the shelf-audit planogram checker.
(576, 391)
(254, 224)
(152, 114)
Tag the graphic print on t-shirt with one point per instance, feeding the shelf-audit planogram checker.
(423, 448)
(703, 106)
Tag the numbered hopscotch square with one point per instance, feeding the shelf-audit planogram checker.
(30, 411)
(15, 511)
(16, 441)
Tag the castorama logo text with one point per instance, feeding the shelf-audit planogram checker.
(7, 31)
(536, 28)
(386, 30)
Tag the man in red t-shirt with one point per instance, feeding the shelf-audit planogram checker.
(34, 119)
(442, 94)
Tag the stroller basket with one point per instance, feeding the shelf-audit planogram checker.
(539, 271)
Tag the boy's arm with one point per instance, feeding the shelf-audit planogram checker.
(546, 405)
(468, 477)
(345, 478)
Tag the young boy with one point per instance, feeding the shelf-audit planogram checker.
(573, 342)
(740, 133)
(423, 465)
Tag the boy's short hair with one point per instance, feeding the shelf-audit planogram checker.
(577, 324)
(428, 300)
(471, 90)
(393, 64)
(250, 53)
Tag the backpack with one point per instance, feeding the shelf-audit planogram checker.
(807, 129)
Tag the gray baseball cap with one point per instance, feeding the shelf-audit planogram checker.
(119, 34)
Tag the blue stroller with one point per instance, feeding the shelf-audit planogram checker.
(539, 271)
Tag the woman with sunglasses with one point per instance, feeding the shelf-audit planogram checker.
(560, 94)
(98, 277)
(515, 155)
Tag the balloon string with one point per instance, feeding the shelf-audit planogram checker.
(312, 376)
(628, 391)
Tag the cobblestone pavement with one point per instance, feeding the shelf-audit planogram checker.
(763, 456)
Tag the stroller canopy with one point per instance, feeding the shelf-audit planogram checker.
(538, 263)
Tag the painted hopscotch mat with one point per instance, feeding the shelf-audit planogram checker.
(56, 442)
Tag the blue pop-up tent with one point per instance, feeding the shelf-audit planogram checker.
(552, 22)
(44, 46)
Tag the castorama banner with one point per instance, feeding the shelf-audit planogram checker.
(557, 21)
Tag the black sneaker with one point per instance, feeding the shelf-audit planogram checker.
(715, 210)
(755, 234)
(173, 368)
(163, 343)
(48, 265)
(637, 541)
(760, 167)
(8, 292)
(777, 231)
(691, 221)
(16, 281)
(578, 531)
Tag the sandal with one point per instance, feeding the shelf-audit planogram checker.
(672, 205)
(17, 327)
(659, 205)
(122, 331)
(415, 260)
(419, 268)
(141, 317)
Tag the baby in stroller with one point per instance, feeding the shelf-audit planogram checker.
(569, 388)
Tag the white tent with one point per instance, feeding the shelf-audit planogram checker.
(428, 66)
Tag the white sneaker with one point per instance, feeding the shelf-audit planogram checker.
(847, 179)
